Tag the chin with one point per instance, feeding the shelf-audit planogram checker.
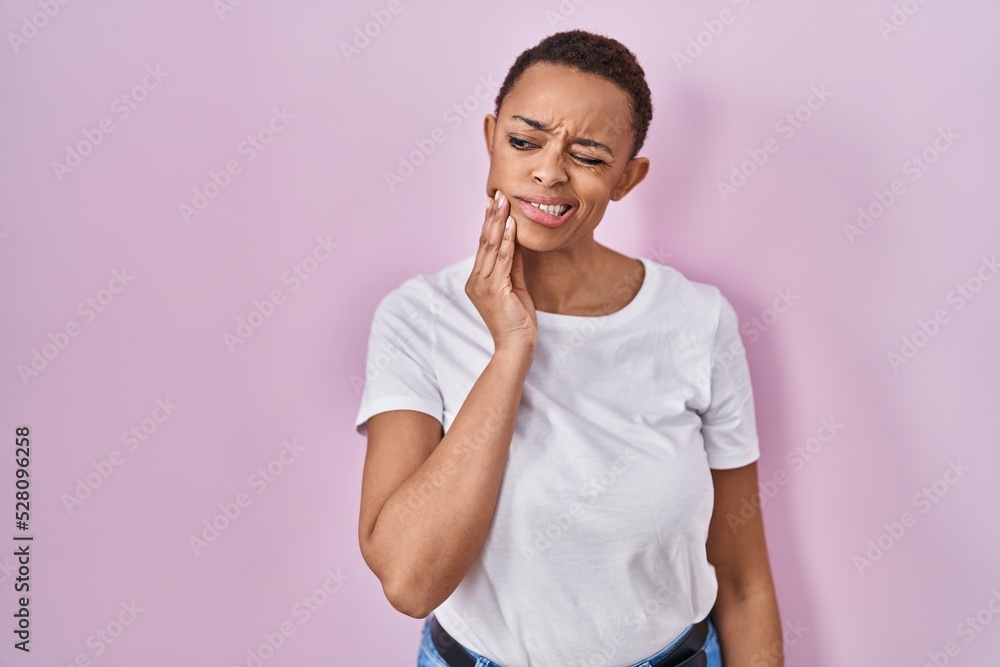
(537, 242)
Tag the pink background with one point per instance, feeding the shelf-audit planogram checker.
(161, 335)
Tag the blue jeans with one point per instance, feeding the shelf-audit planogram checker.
(429, 656)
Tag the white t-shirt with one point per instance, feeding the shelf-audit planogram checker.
(596, 553)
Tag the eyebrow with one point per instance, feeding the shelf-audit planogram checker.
(538, 125)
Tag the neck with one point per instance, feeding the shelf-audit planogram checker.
(586, 279)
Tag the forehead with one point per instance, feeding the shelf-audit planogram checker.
(570, 100)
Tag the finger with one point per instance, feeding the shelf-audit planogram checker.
(505, 252)
(477, 266)
(503, 207)
(517, 264)
(493, 235)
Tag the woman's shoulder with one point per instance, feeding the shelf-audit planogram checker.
(684, 291)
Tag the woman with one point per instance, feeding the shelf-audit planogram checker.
(558, 453)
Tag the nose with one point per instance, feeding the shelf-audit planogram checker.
(548, 169)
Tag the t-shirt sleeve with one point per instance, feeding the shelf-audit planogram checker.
(399, 371)
(729, 424)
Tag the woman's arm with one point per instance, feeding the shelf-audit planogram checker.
(428, 501)
(746, 609)
(423, 538)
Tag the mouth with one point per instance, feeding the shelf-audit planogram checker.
(549, 215)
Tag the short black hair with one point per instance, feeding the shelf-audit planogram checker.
(595, 54)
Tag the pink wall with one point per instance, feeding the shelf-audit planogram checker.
(160, 97)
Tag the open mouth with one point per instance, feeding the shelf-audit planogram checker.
(549, 215)
(552, 209)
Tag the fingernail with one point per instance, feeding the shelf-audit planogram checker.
(501, 200)
(510, 222)
(496, 196)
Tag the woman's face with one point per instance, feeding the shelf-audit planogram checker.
(563, 136)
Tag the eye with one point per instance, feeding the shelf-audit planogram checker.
(524, 145)
(519, 144)
(587, 160)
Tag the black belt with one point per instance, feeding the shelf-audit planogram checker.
(689, 653)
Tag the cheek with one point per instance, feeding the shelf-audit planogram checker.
(595, 193)
(497, 176)
(500, 161)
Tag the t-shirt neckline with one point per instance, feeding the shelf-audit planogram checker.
(633, 307)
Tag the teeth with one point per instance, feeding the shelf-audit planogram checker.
(552, 209)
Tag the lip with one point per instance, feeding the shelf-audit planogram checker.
(541, 217)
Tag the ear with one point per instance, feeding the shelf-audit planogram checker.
(635, 171)
(489, 126)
